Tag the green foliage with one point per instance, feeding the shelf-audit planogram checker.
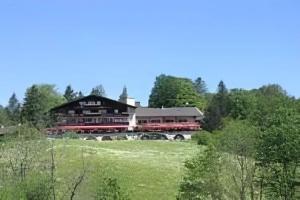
(124, 94)
(99, 91)
(170, 91)
(239, 140)
(200, 86)
(278, 153)
(217, 109)
(202, 138)
(107, 188)
(203, 177)
(4, 118)
(39, 99)
(80, 95)
(70, 94)
(71, 135)
(268, 100)
(242, 103)
(25, 132)
(36, 187)
(14, 109)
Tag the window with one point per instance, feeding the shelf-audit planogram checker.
(155, 121)
(183, 120)
(116, 111)
(71, 112)
(169, 121)
(86, 111)
(142, 121)
(103, 111)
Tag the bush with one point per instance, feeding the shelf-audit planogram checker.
(202, 138)
(71, 135)
(106, 185)
(36, 187)
(122, 137)
(91, 137)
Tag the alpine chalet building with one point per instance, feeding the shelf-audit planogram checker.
(96, 114)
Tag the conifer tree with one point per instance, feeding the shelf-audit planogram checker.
(99, 91)
(217, 109)
(13, 109)
(124, 94)
(200, 86)
(70, 95)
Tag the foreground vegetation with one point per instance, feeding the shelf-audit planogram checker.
(140, 169)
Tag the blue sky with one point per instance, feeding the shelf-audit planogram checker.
(116, 43)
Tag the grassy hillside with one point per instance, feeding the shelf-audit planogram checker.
(146, 169)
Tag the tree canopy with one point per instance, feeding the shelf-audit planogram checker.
(124, 94)
(170, 91)
(39, 99)
(99, 91)
(200, 86)
(70, 94)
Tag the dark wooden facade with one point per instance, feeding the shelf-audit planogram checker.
(93, 113)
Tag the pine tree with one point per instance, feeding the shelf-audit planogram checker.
(217, 109)
(80, 95)
(200, 86)
(13, 109)
(32, 108)
(70, 95)
(222, 99)
(99, 91)
(124, 94)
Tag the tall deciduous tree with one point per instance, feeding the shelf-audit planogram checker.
(278, 153)
(170, 91)
(239, 140)
(99, 91)
(69, 94)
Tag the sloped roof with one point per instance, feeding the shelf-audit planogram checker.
(87, 98)
(169, 112)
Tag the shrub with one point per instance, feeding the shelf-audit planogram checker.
(71, 135)
(36, 187)
(121, 137)
(202, 138)
(106, 185)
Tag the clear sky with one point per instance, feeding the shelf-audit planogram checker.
(115, 43)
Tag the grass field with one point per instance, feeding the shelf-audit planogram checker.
(145, 169)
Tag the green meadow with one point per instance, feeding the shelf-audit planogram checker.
(147, 170)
